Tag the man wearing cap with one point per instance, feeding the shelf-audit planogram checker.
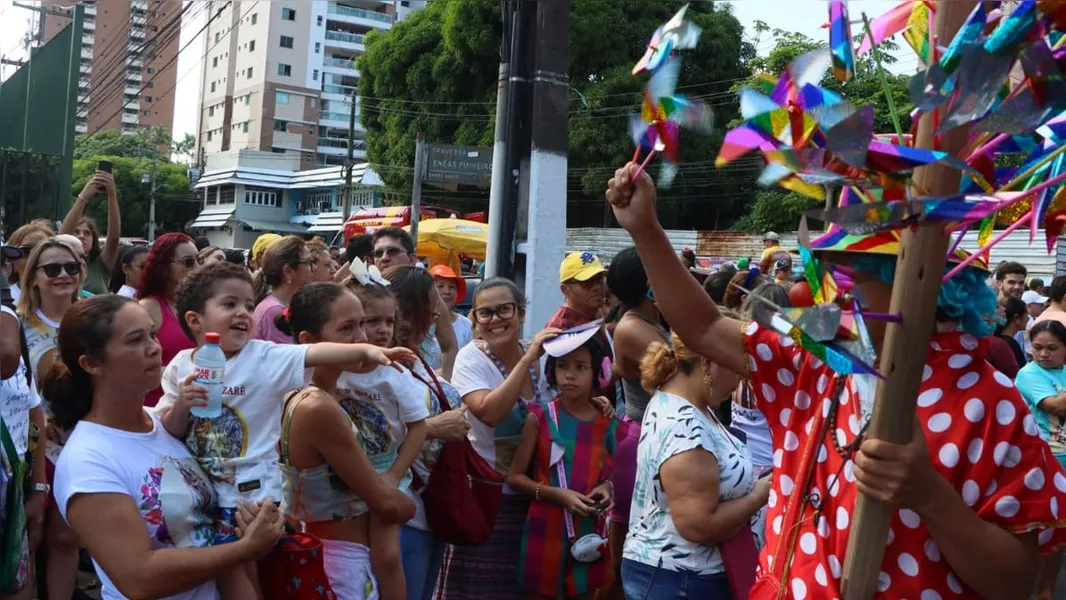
(782, 270)
(772, 252)
(582, 279)
(1035, 305)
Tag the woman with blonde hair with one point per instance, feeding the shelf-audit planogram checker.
(25, 238)
(51, 284)
(674, 546)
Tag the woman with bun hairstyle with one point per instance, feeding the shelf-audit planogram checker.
(330, 484)
(133, 494)
(287, 266)
(638, 327)
(674, 544)
(169, 262)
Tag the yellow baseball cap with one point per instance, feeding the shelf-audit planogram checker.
(580, 266)
(261, 243)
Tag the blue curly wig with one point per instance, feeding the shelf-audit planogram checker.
(965, 298)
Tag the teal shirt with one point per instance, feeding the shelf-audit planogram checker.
(1037, 383)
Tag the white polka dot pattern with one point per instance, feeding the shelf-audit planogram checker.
(980, 436)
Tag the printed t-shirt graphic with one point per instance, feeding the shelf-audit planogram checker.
(238, 449)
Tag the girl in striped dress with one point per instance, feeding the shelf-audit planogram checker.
(564, 463)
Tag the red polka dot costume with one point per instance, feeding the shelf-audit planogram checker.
(981, 438)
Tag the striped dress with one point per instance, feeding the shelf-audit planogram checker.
(546, 565)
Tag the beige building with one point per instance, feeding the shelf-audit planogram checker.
(125, 46)
(280, 76)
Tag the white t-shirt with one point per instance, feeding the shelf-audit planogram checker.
(464, 330)
(17, 397)
(127, 291)
(239, 449)
(157, 472)
(475, 371)
(672, 426)
(16, 291)
(382, 402)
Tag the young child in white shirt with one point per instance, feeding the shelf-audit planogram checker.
(238, 449)
(392, 408)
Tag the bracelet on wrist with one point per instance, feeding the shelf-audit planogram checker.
(536, 492)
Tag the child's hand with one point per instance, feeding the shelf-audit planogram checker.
(603, 496)
(191, 394)
(260, 527)
(604, 405)
(576, 503)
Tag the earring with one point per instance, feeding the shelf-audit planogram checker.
(708, 380)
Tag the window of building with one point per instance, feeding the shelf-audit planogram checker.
(244, 127)
(280, 125)
(309, 156)
(147, 113)
(314, 102)
(288, 14)
(249, 72)
(260, 197)
(212, 87)
(247, 99)
(318, 47)
(210, 111)
(286, 41)
(281, 97)
(214, 62)
(218, 36)
(284, 70)
(315, 75)
(251, 46)
(319, 20)
(151, 70)
(209, 136)
(147, 98)
(255, 18)
(310, 130)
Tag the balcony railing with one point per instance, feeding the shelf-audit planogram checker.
(338, 116)
(343, 63)
(330, 88)
(348, 11)
(340, 36)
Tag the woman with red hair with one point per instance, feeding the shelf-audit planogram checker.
(171, 259)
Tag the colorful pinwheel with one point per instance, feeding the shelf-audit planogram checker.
(840, 41)
(676, 34)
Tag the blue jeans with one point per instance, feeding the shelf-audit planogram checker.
(645, 582)
(422, 555)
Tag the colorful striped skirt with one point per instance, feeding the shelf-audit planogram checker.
(488, 571)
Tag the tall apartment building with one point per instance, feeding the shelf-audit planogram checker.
(125, 45)
(280, 76)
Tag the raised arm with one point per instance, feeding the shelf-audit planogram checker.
(114, 224)
(687, 308)
(112, 530)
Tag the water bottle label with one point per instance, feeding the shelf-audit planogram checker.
(209, 374)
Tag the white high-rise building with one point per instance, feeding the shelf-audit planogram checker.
(279, 76)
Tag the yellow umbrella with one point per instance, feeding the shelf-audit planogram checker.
(442, 240)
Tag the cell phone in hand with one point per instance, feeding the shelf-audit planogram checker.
(105, 166)
(599, 505)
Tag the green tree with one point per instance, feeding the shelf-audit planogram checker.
(175, 203)
(185, 148)
(778, 209)
(436, 73)
(110, 142)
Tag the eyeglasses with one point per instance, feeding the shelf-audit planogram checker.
(503, 311)
(389, 251)
(188, 262)
(11, 252)
(52, 270)
(26, 249)
(309, 263)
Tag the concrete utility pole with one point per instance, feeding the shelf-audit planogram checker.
(150, 180)
(349, 165)
(416, 185)
(499, 165)
(546, 231)
(515, 138)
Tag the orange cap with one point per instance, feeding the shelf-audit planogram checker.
(446, 272)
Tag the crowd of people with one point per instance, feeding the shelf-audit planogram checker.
(653, 440)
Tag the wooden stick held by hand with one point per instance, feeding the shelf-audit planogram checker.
(914, 292)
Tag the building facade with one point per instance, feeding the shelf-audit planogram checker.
(280, 76)
(128, 62)
(247, 193)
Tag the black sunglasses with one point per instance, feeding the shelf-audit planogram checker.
(12, 252)
(188, 262)
(72, 268)
(388, 250)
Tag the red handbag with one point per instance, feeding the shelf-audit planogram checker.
(295, 570)
(462, 496)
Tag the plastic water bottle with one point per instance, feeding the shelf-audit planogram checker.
(210, 365)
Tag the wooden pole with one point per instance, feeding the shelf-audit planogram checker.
(914, 292)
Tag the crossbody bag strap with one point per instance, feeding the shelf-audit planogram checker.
(434, 387)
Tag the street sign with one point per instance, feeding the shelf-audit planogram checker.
(467, 165)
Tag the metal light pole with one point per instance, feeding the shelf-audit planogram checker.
(150, 180)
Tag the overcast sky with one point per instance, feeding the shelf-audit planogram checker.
(804, 16)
